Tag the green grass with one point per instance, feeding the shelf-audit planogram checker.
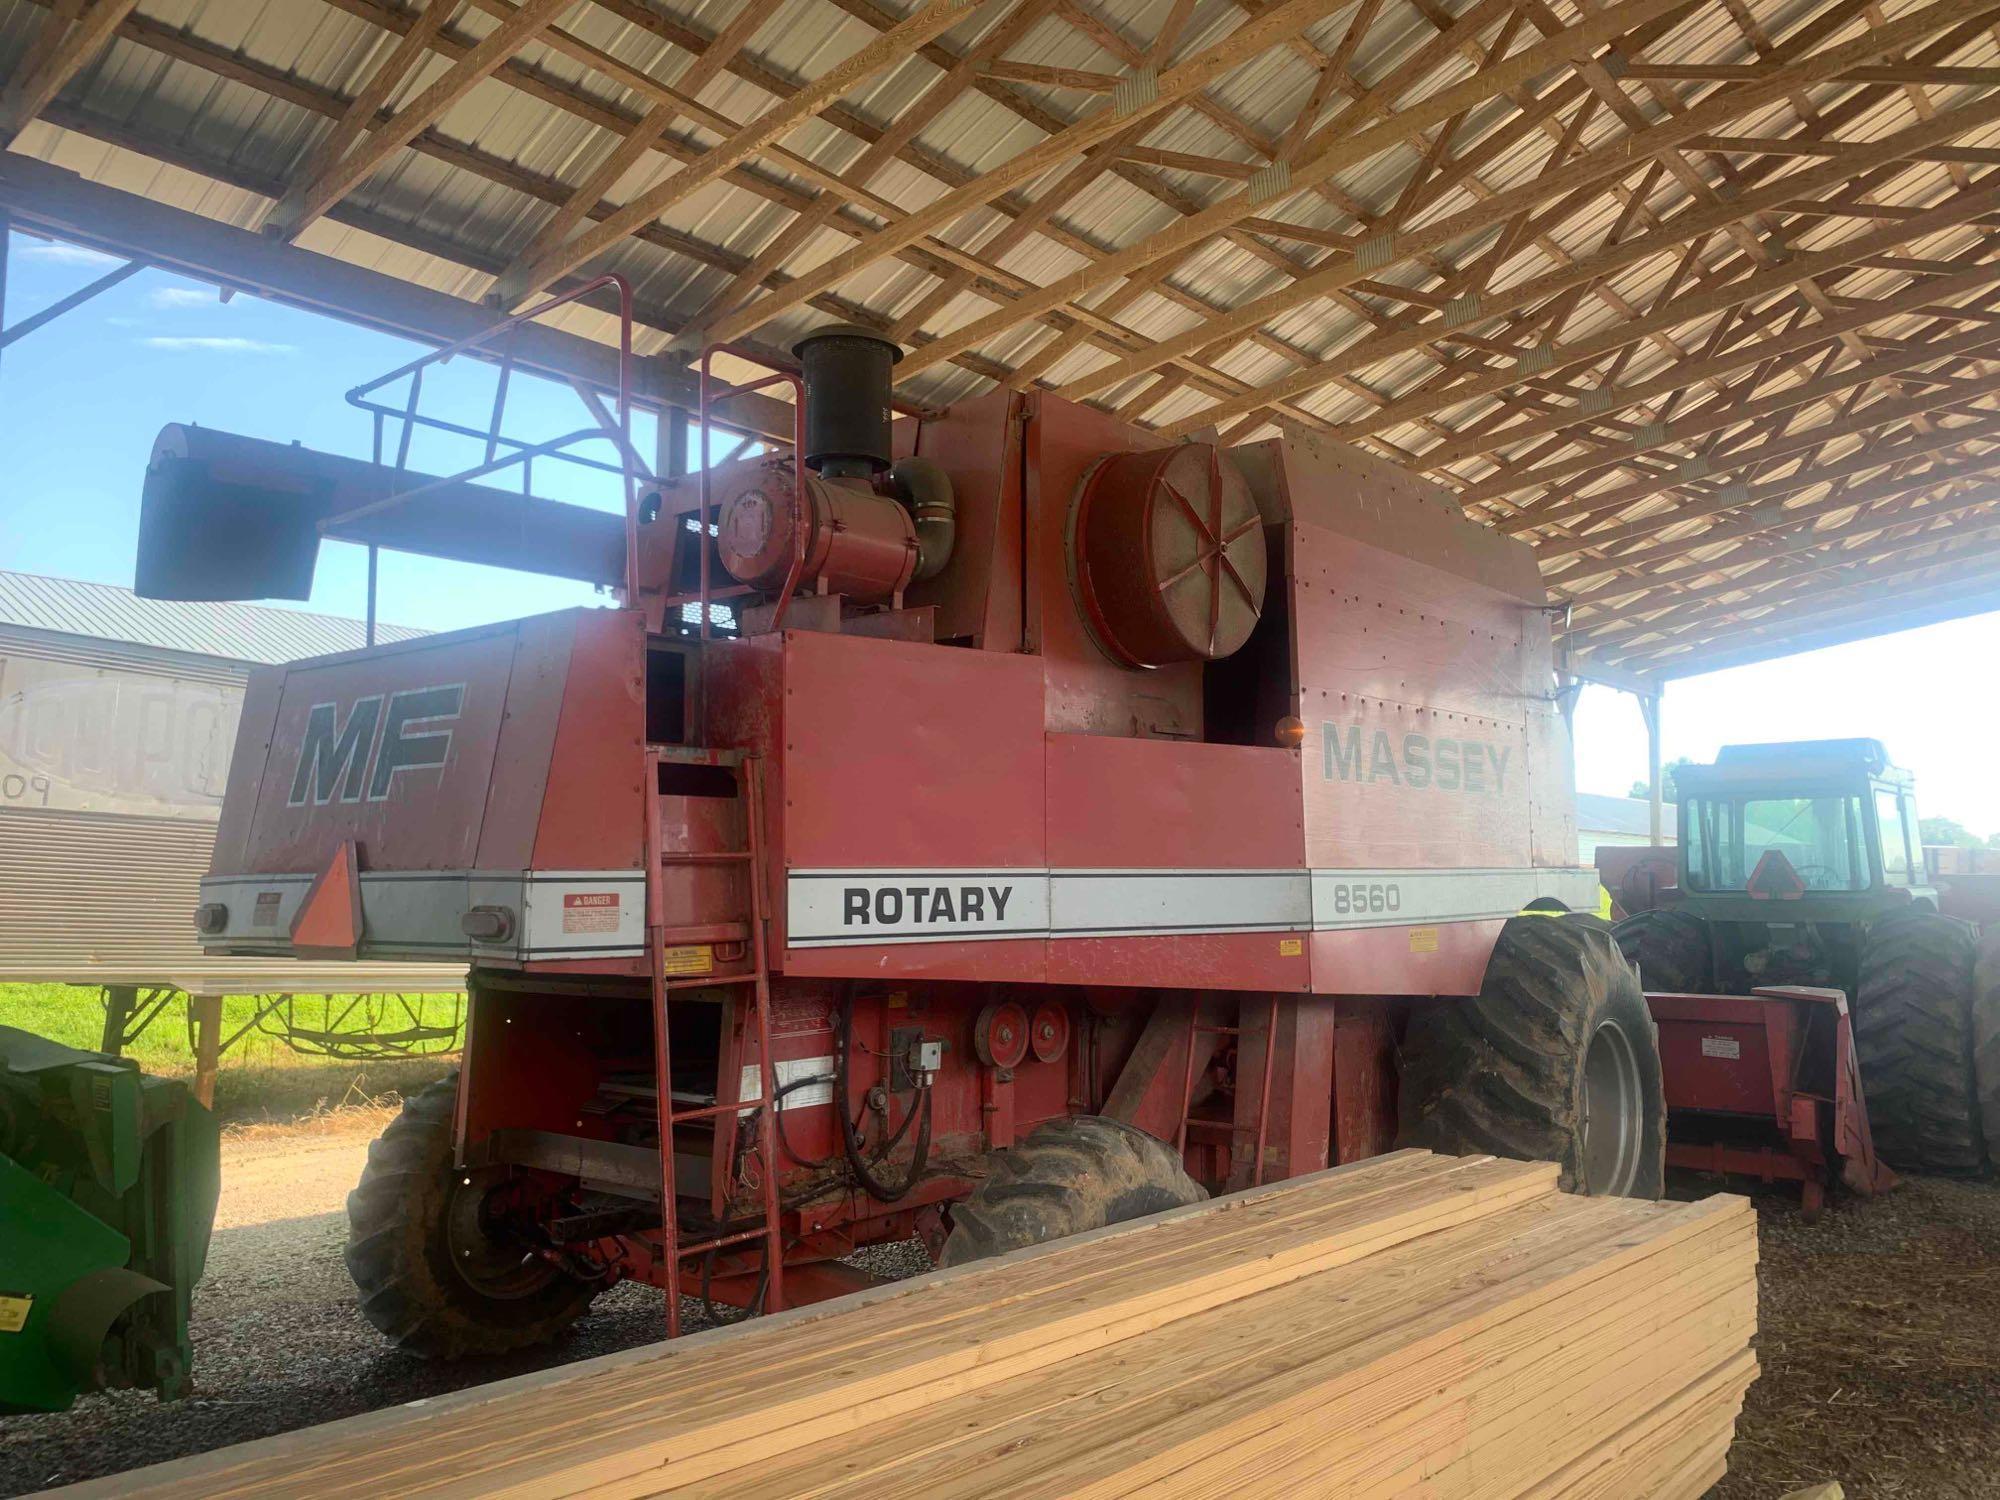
(260, 1078)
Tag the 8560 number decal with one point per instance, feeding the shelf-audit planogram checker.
(1354, 898)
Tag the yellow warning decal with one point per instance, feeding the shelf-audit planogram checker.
(1291, 947)
(14, 1312)
(1423, 940)
(696, 958)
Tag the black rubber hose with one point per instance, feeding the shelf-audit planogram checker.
(857, 1159)
(784, 1141)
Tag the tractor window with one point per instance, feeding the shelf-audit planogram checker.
(1895, 845)
(1820, 837)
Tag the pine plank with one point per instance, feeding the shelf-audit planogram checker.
(1522, 1415)
(1182, 1371)
(1411, 1325)
(751, 1392)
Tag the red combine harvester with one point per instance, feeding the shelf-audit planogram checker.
(981, 827)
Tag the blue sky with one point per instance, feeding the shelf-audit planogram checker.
(81, 401)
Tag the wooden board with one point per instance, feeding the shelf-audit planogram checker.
(1408, 1325)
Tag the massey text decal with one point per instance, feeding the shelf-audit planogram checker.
(1478, 767)
(378, 740)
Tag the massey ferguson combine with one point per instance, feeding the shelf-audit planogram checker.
(979, 827)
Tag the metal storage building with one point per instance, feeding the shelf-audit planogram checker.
(117, 718)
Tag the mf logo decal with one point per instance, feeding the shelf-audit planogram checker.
(1414, 760)
(381, 737)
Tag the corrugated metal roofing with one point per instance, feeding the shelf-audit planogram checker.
(218, 107)
(1631, 816)
(234, 632)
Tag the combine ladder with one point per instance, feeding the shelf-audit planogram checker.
(748, 770)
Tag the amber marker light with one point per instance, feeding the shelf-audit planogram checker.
(1290, 732)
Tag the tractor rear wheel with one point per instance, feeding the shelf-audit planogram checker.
(433, 1272)
(1671, 949)
(1556, 1059)
(1913, 1033)
(1067, 1176)
(1986, 1037)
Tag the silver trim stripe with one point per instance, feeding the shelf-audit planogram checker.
(415, 913)
(835, 908)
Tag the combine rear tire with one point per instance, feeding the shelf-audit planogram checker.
(1556, 1059)
(1671, 949)
(431, 1274)
(1913, 1032)
(1067, 1176)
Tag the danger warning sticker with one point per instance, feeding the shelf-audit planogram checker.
(590, 911)
(14, 1310)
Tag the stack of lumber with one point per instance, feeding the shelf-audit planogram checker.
(1412, 1325)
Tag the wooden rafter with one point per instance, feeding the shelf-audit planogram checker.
(1708, 314)
(889, 49)
(318, 191)
(69, 39)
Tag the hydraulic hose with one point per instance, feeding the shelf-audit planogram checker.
(857, 1158)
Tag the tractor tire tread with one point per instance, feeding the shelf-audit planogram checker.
(1066, 1176)
(401, 1291)
(1501, 1073)
(1671, 948)
(1914, 1036)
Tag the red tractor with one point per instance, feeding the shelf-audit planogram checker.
(1800, 865)
(979, 826)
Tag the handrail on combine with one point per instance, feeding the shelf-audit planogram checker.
(615, 428)
(779, 376)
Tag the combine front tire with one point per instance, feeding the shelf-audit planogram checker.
(1671, 949)
(432, 1271)
(1067, 1176)
(1556, 1059)
(1914, 1035)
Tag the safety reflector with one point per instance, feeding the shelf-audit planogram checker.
(328, 922)
(1775, 879)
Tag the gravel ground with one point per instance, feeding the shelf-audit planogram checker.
(1880, 1337)
(1879, 1334)
(278, 1341)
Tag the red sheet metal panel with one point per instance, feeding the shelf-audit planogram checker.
(593, 803)
(542, 648)
(391, 748)
(1224, 819)
(914, 776)
(1448, 958)
(1116, 803)
(1416, 743)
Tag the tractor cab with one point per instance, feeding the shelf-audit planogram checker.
(1826, 827)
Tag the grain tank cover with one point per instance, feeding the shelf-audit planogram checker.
(1167, 556)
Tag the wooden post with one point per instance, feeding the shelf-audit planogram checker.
(1649, 705)
(206, 1013)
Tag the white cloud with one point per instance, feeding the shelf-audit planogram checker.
(217, 346)
(55, 252)
(184, 296)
